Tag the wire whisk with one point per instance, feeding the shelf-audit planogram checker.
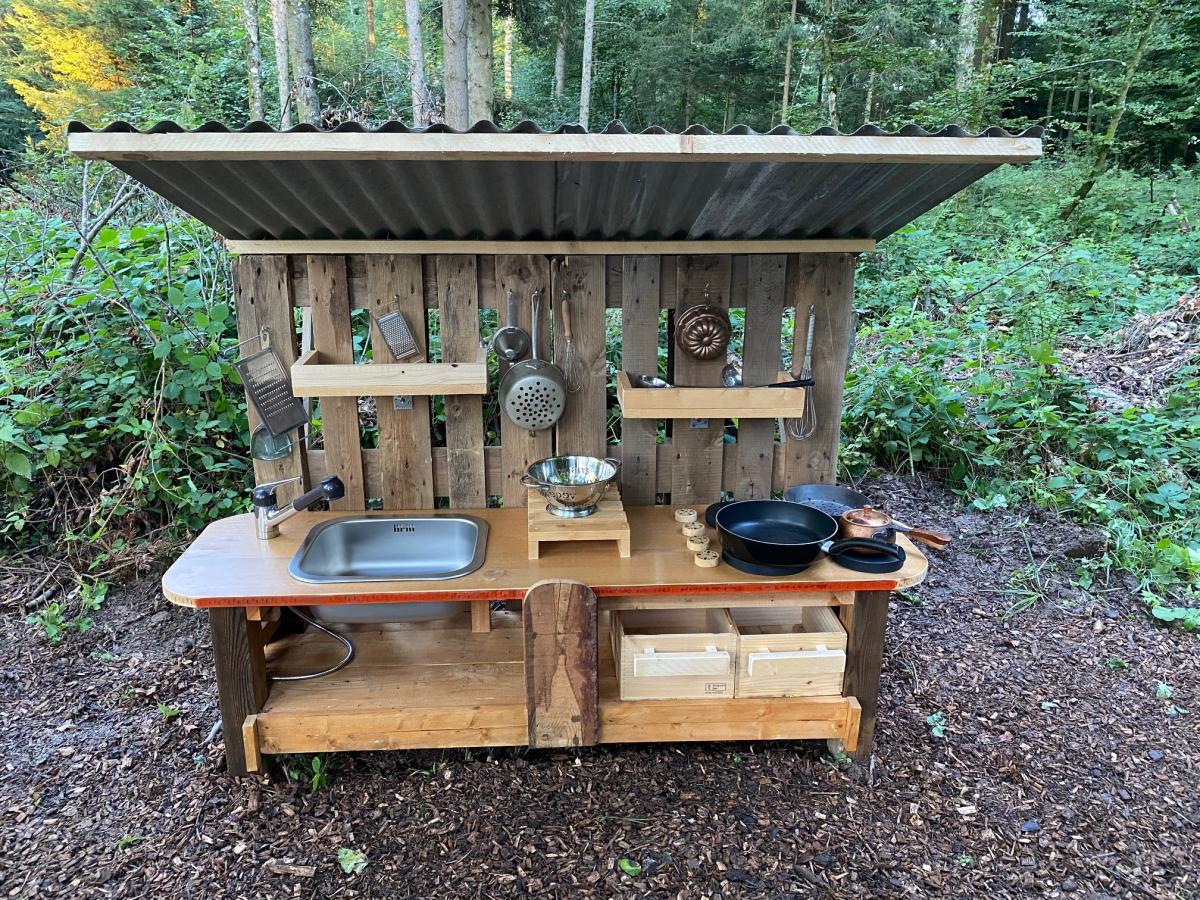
(803, 428)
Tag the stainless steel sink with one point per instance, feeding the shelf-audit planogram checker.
(389, 548)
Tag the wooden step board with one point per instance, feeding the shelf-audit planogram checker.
(607, 523)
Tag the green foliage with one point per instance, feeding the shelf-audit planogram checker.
(352, 861)
(937, 724)
(169, 712)
(118, 416)
(970, 385)
(630, 867)
(125, 841)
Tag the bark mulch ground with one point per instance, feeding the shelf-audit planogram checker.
(1033, 755)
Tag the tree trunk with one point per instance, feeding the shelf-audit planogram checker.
(480, 78)
(253, 58)
(308, 105)
(870, 99)
(1106, 143)
(279, 18)
(968, 31)
(416, 64)
(560, 56)
(585, 84)
(369, 14)
(827, 63)
(454, 53)
(508, 44)
(787, 68)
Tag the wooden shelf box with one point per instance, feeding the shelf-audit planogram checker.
(709, 403)
(313, 378)
(665, 654)
(785, 652)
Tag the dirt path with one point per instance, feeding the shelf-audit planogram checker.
(1062, 769)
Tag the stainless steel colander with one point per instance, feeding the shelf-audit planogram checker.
(533, 393)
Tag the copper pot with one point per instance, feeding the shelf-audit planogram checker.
(866, 523)
(872, 523)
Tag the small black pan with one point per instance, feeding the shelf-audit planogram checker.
(780, 534)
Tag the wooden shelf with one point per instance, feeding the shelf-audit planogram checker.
(442, 685)
(313, 378)
(709, 403)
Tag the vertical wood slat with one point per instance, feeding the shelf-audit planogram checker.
(406, 457)
(583, 428)
(333, 340)
(562, 692)
(826, 281)
(765, 301)
(640, 277)
(458, 304)
(696, 475)
(263, 297)
(520, 447)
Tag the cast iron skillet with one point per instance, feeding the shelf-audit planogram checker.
(780, 534)
(828, 498)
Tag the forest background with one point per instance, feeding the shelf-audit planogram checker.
(1031, 342)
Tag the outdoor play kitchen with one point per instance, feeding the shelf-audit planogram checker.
(652, 548)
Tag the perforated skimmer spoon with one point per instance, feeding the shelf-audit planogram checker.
(533, 392)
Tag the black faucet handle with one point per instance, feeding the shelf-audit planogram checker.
(264, 495)
(330, 488)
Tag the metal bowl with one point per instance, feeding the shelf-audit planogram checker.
(572, 485)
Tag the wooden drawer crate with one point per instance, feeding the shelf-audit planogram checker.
(664, 654)
(783, 652)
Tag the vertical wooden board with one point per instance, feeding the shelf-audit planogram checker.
(583, 428)
(333, 340)
(241, 678)
(766, 298)
(520, 447)
(826, 281)
(263, 297)
(405, 454)
(560, 664)
(458, 305)
(640, 283)
(864, 659)
(698, 452)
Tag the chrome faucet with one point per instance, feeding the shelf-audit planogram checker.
(268, 515)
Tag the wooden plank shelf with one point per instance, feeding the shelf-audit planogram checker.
(709, 403)
(311, 377)
(442, 685)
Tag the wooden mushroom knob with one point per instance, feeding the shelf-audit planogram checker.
(686, 515)
(693, 529)
(708, 559)
(697, 543)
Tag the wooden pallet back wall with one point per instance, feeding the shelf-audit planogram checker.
(407, 470)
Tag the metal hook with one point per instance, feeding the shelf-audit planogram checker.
(263, 337)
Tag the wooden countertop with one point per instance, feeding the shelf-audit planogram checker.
(228, 566)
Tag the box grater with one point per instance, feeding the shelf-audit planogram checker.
(270, 390)
(394, 330)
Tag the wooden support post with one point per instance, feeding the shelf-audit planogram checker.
(481, 616)
(864, 658)
(241, 678)
(560, 664)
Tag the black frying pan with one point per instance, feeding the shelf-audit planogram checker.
(780, 534)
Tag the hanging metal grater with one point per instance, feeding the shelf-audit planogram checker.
(394, 329)
(270, 390)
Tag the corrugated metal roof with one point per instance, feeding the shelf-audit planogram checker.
(395, 182)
